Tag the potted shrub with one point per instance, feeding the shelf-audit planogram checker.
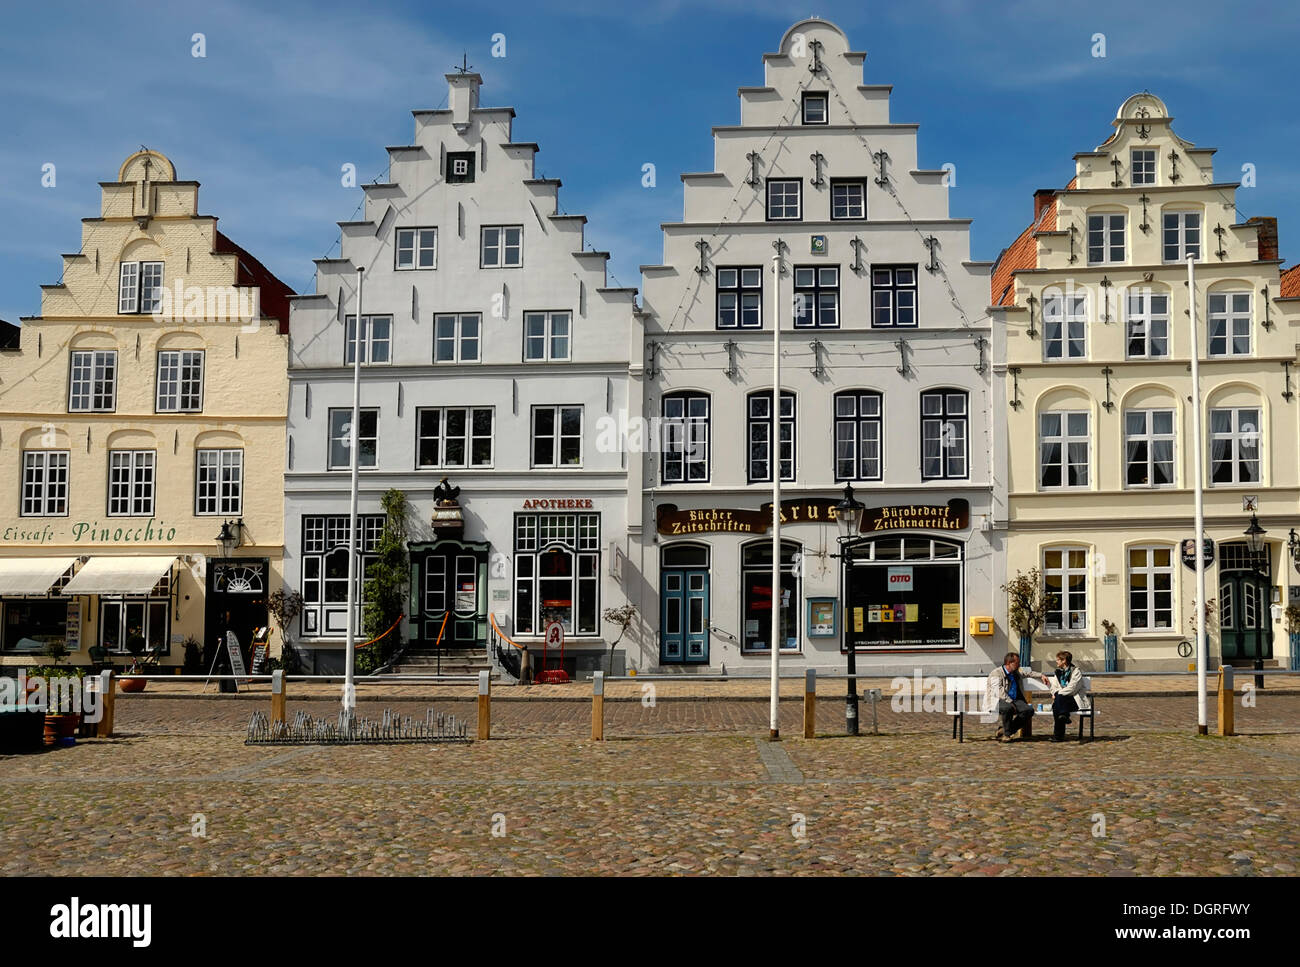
(1028, 602)
(62, 719)
(135, 644)
(1112, 645)
(1291, 616)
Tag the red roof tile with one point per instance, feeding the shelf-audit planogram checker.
(1291, 282)
(274, 293)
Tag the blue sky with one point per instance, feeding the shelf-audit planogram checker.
(1007, 92)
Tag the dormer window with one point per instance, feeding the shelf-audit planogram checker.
(139, 287)
(814, 108)
(460, 167)
(1142, 166)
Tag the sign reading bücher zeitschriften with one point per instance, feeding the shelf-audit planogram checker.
(955, 515)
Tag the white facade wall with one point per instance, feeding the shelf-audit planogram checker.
(686, 350)
(556, 275)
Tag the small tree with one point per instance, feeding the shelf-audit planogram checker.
(285, 607)
(1028, 602)
(387, 584)
(623, 618)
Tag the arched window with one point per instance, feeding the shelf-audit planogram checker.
(944, 423)
(686, 438)
(760, 436)
(858, 425)
(756, 578)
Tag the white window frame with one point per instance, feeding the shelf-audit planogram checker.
(686, 425)
(342, 436)
(218, 481)
(784, 184)
(1235, 323)
(370, 342)
(134, 279)
(1244, 433)
(501, 246)
(87, 380)
(464, 348)
(759, 432)
(855, 429)
(1142, 321)
(1072, 601)
(1150, 436)
(1177, 222)
(1067, 314)
(814, 97)
(45, 484)
(179, 383)
(940, 427)
(855, 209)
(1065, 438)
(140, 483)
(415, 242)
(467, 439)
(557, 436)
(1104, 223)
(551, 340)
(1152, 571)
(1148, 165)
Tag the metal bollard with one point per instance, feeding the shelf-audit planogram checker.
(810, 703)
(1226, 699)
(484, 705)
(107, 698)
(874, 694)
(277, 696)
(598, 707)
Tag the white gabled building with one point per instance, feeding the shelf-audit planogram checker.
(493, 349)
(885, 386)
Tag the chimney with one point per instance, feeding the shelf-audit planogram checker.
(1042, 198)
(1266, 231)
(462, 96)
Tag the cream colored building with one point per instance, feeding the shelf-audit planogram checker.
(142, 414)
(1096, 434)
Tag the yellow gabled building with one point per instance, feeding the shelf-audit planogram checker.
(142, 416)
(1092, 309)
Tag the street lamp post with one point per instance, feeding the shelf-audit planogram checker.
(848, 517)
(1258, 549)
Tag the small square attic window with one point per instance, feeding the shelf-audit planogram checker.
(814, 108)
(460, 167)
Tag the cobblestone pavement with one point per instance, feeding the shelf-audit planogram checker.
(684, 787)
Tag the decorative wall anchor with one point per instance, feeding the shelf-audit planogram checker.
(816, 66)
(1173, 162)
(1144, 200)
(882, 161)
(1108, 403)
(651, 370)
(902, 353)
(817, 368)
(1105, 284)
(1032, 332)
(859, 247)
(702, 268)
(1117, 164)
(1268, 315)
(731, 372)
(1016, 402)
(1286, 393)
(1220, 231)
(981, 344)
(932, 243)
(818, 159)
(753, 158)
(1073, 255)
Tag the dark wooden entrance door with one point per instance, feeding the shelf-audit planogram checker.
(236, 600)
(449, 593)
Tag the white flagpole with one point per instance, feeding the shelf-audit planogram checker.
(774, 461)
(1197, 470)
(349, 685)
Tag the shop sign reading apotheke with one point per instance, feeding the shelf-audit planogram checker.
(818, 510)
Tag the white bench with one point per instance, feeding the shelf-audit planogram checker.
(968, 694)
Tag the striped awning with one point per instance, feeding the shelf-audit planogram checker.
(32, 575)
(119, 575)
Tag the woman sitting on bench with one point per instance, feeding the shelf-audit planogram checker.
(1068, 693)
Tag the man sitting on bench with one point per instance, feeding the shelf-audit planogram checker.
(1006, 693)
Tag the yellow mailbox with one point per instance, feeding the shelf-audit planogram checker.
(981, 626)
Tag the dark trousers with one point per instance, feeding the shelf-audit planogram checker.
(1015, 715)
(1062, 706)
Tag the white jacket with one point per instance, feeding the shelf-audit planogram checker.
(1073, 688)
(996, 688)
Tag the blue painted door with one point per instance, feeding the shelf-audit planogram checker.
(684, 617)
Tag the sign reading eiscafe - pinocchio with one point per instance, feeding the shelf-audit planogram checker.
(955, 515)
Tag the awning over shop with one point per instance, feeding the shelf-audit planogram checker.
(32, 575)
(119, 575)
